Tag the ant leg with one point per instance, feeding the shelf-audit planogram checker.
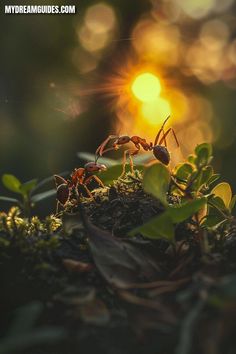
(176, 140)
(165, 135)
(88, 191)
(161, 130)
(101, 147)
(164, 139)
(57, 207)
(96, 178)
(129, 153)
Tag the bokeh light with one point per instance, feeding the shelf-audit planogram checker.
(214, 34)
(93, 41)
(100, 18)
(156, 111)
(97, 28)
(196, 8)
(156, 41)
(146, 87)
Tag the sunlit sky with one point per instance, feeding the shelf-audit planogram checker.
(173, 50)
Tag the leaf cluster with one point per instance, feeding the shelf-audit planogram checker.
(27, 192)
(199, 203)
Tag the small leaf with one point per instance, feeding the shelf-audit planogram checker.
(27, 187)
(203, 177)
(192, 159)
(224, 191)
(156, 181)
(183, 171)
(207, 173)
(90, 157)
(44, 195)
(12, 183)
(204, 153)
(186, 210)
(10, 200)
(159, 227)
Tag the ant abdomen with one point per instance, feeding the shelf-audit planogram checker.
(63, 193)
(161, 154)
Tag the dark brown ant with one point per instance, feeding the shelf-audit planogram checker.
(159, 151)
(79, 177)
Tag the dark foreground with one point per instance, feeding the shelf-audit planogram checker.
(76, 289)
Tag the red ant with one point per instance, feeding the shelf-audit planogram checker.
(159, 151)
(79, 177)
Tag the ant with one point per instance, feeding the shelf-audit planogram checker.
(159, 151)
(79, 177)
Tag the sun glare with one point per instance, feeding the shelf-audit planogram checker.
(146, 87)
(155, 112)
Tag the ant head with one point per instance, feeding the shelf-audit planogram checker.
(94, 167)
(161, 154)
(123, 139)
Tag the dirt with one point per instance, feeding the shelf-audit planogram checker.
(189, 309)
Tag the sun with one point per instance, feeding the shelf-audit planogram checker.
(146, 87)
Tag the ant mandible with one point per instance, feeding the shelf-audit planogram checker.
(79, 177)
(160, 151)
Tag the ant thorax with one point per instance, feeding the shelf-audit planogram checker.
(123, 139)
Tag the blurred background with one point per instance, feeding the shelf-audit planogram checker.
(117, 66)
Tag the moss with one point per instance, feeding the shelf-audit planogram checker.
(29, 235)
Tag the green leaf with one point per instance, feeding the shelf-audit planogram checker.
(218, 203)
(224, 191)
(207, 173)
(44, 195)
(114, 172)
(213, 178)
(10, 200)
(90, 157)
(203, 153)
(203, 177)
(192, 159)
(183, 171)
(12, 183)
(163, 226)
(156, 181)
(27, 187)
(186, 210)
(212, 220)
(159, 227)
(232, 203)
